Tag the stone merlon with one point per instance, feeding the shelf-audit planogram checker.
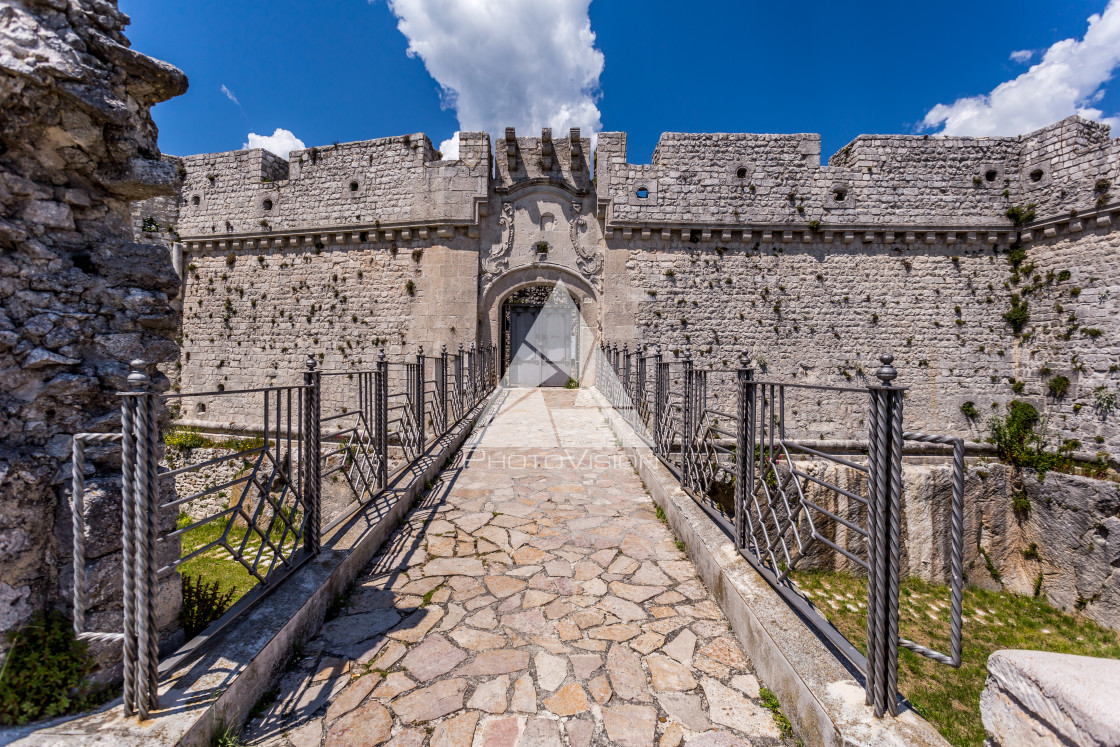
(719, 180)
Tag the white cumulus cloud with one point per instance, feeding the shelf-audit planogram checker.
(229, 95)
(280, 142)
(522, 63)
(1069, 79)
(1022, 56)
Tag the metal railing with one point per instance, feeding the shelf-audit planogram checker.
(269, 487)
(758, 481)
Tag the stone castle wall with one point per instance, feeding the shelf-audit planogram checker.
(739, 180)
(724, 244)
(81, 297)
(252, 316)
(822, 314)
(391, 181)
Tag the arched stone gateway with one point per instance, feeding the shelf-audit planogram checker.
(514, 303)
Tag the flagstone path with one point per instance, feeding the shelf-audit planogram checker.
(531, 598)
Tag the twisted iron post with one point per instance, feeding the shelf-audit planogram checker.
(441, 389)
(659, 394)
(128, 548)
(421, 399)
(686, 422)
(381, 418)
(312, 379)
(460, 394)
(472, 374)
(884, 541)
(137, 471)
(151, 518)
(887, 374)
(744, 447)
(78, 531)
(628, 394)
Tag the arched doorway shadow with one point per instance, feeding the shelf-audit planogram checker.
(540, 335)
(524, 290)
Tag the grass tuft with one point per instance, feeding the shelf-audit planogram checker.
(770, 702)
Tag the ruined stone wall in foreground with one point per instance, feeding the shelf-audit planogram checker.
(80, 297)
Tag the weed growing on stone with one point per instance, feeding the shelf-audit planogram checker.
(1021, 505)
(1104, 400)
(341, 603)
(770, 702)
(950, 698)
(263, 703)
(1058, 386)
(1018, 441)
(226, 735)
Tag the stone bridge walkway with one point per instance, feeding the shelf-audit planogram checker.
(531, 598)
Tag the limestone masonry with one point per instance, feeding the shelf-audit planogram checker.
(79, 298)
(725, 243)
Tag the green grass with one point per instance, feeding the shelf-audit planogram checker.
(217, 564)
(950, 698)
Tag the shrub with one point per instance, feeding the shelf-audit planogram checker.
(1016, 255)
(1058, 386)
(1104, 400)
(969, 410)
(1018, 442)
(185, 438)
(410, 288)
(203, 603)
(1064, 275)
(44, 673)
(1018, 314)
(1019, 214)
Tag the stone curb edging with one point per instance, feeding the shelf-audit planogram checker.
(217, 680)
(821, 698)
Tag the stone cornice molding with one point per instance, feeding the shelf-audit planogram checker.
(538, 182)
(802, 232)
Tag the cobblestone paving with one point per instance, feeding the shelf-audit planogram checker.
(531, 598)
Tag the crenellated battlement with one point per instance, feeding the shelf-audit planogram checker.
(736, 180)
(727, 185)
(397, 181)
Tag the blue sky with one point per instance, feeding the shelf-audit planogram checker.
(341, 69)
